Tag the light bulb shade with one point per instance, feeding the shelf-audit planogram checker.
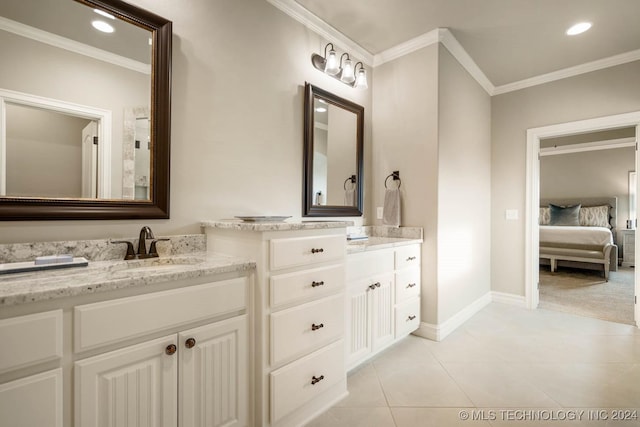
(347, 72)
(332, 66)
(361, 80)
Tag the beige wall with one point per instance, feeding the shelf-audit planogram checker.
(239, 69)
(431, 123)
(600, 93)
(464, 188)
(602, 173)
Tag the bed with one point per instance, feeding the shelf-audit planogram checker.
(581, 233)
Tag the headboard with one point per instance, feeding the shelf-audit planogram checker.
(589, 201)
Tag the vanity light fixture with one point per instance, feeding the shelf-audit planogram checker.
(342, 70)
(578, 28)
(102, 26)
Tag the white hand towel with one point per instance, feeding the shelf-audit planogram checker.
(391, 210)
(350, 197)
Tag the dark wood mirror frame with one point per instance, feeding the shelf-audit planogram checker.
(308, 208)
(16, 209)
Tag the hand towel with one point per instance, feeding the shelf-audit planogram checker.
(391, 210)
(350, 197)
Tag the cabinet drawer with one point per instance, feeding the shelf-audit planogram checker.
(407, 284)
(298, 251)
(112, 321)
(306, 285)
(407, 256)
(366, 264)
(297, 383)
(306, 327)
(407, 317)
(29, 340)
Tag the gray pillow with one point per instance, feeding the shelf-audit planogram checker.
(564, 215)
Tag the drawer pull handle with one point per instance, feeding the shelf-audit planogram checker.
(315, 380)
(377, 284)
(314, 284)
(411, 318)
(411, 258)
(171, 349)
(190, 343)
(410, 285)
(373, 286)
(315, 327)
(316, 251)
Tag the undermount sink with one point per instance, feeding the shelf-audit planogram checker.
(153, 265)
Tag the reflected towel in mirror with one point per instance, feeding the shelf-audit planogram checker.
(391, 210)
(350, 197)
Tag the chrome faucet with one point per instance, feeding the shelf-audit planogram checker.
(145, 233)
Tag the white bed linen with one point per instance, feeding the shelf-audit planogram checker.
(575, 235)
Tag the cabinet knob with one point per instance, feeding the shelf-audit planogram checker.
(317, 251)
(315, 380)
(377, 284)
(315, 327)
(314, 284)
(190, 343)
(171, 349)
(411, 318)
(372, 287)
(410, 285)
(411, 258)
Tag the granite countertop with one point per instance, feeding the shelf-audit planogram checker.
(102, 276)
(374, 243)
(232, 224)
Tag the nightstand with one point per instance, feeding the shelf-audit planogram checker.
(628, 240)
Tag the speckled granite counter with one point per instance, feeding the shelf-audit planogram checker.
(274, 226)
(183, 257)
(375, 243)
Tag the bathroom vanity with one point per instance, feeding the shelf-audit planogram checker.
(299, 310)
(160, 342)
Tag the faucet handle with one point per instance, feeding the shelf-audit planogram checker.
(130, 252)
(153, 251)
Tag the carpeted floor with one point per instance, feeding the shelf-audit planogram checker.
(585, 293)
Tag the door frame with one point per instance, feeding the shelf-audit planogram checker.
(532, 211)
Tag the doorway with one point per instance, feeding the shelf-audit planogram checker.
(534, 135)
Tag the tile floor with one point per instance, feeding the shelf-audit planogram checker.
(504, 366)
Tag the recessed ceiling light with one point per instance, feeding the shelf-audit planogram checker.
(103, 13)
(579, 28)
(102, 26)
(321, 109)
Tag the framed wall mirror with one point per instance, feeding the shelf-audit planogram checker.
(84, 110)
(333, 154)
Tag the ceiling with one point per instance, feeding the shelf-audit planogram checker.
(509, 40)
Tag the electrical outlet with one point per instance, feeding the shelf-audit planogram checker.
(379, 213)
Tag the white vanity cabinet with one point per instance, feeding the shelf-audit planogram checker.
(195, 377)
(383, 299)
(299, 316)
(32, 344)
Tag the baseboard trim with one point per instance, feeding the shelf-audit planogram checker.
(440, 331)
(510, 299)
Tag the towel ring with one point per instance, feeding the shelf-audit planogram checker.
(396, 177)
(352, 178)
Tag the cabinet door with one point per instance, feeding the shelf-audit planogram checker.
(213, 375)
(358, 320)
(32, 401)
(382, 311)
(134, 386)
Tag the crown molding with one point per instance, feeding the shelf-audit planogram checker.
(422, 41)
(317, 25)
(72, 45)
(588, 67)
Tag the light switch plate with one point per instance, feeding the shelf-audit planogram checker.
(511, 214)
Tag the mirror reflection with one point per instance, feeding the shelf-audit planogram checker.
(67, 104)
(333, 154)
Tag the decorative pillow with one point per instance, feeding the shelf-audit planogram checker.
(594, 216)
(545, 216)
(561, 215)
